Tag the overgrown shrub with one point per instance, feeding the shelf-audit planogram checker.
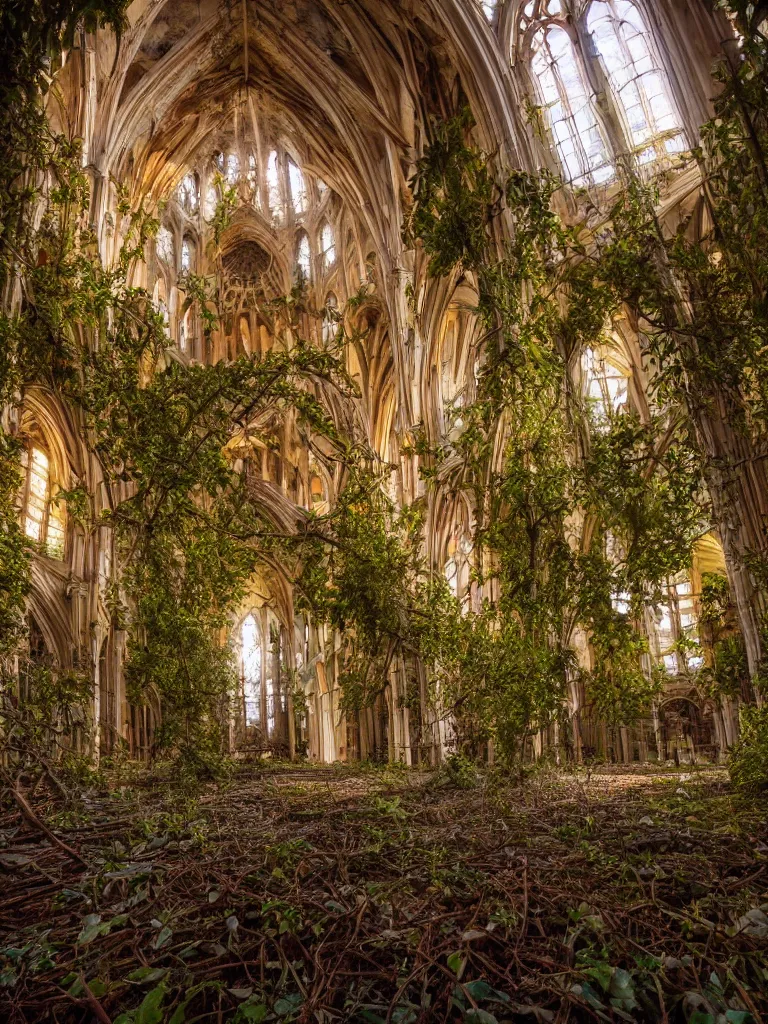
(748, 763)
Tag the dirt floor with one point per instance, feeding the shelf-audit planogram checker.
(316, 894)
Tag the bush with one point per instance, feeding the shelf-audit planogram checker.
(748, 763)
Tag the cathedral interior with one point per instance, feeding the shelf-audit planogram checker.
(312, 115)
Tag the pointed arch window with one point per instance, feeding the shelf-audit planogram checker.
(43, 518)
(164, 246)
(623, 42)
(232, 172)
(274, 189)
(252, 179)
(186, 330)
(187, 256)
(328, 246)
(298, 187)
(607, 43)
(188, 193)
(330, 318)
(606, 386)
(569, 108)
(303, 257)
(251, 669)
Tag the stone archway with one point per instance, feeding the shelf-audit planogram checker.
(687, 731)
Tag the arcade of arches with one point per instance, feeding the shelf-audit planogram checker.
(306, 118)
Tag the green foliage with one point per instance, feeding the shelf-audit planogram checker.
(748, 763)
(361, 568)
(14, 556)
(188, 531)
(505, 669)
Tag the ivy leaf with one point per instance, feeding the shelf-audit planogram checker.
(151, 1009)
(163, 938)
(147, 975)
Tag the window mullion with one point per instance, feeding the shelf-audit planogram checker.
(605, 106)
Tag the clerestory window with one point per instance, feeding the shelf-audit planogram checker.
(303, 258)
(188, 194)
(298, 187)
(575, 51)
(328, 246)
(43, 518)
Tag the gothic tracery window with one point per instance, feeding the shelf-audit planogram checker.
(606, 386)
(232, 168)
(328, 246)
(43, 519)
(188, 194)
(623, 41)
(330, 318)
(187, 256)
(298, 187)
(164, 245)
(250, 669)
(304, 257)
(569, 46)
(569, 108)
(274, 190)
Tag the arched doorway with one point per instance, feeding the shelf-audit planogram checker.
(261, 721)
(687, 731)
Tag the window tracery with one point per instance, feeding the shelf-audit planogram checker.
(188, 193)
(623, 42)
(274, 190)
(250, 670)
(164, 246)
(232, 172)
(328, 246)
(298, 188)
(569, 46)
(43, 519)
(676, 627)
(303, 257)
(606, 385)
(187, 256)
(330, 316)
(252, 180)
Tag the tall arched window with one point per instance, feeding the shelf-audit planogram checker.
(252, 178)
(164, 246)
(250, 669)
(186, 331)
(624, 44)
(187, 256)
(43, 518)
(330, 318)
(303, 257)
(606, 385)
(608, 43)
(328, 246)
(298, 188)
(569, 108)
(232, 172)
(274, 189)
(188, 194)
